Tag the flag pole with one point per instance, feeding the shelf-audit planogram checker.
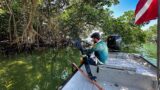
(158, 45)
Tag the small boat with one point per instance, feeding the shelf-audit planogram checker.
(123, 71)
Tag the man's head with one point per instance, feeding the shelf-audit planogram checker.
(95, 37)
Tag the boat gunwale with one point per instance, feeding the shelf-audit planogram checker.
(69, 78)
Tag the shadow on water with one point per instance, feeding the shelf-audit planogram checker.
(36, 71)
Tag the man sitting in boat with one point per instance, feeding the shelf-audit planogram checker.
(100, 50)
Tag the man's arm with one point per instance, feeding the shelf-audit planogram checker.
(90, 51)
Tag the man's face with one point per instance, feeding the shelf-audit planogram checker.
(94, 40)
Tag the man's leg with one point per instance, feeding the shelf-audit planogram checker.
(87, 62)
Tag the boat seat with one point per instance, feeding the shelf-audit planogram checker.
(117, 68)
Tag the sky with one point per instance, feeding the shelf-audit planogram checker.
(126, 5)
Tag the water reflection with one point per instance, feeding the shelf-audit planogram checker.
(38, 71)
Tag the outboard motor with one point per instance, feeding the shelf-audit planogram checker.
(114, 42)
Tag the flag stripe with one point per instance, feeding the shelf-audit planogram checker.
(140, 5)
(150, 13)
(143, 10)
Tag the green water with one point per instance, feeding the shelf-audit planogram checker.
(37, 71)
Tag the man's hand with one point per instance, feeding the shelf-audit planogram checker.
(77, 44)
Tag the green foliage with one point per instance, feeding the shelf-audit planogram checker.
(132, 35)
(61, 18)
(2, 11)
(68, 18)
(82, 17)
(152, 33)
(7, 25)
(101, 3)
(4, 33)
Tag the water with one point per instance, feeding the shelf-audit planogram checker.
(45, 70)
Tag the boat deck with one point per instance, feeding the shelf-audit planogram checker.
(79, 82)
(131, 61)
(122, 72)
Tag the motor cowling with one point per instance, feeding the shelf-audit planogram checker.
(114, 42)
